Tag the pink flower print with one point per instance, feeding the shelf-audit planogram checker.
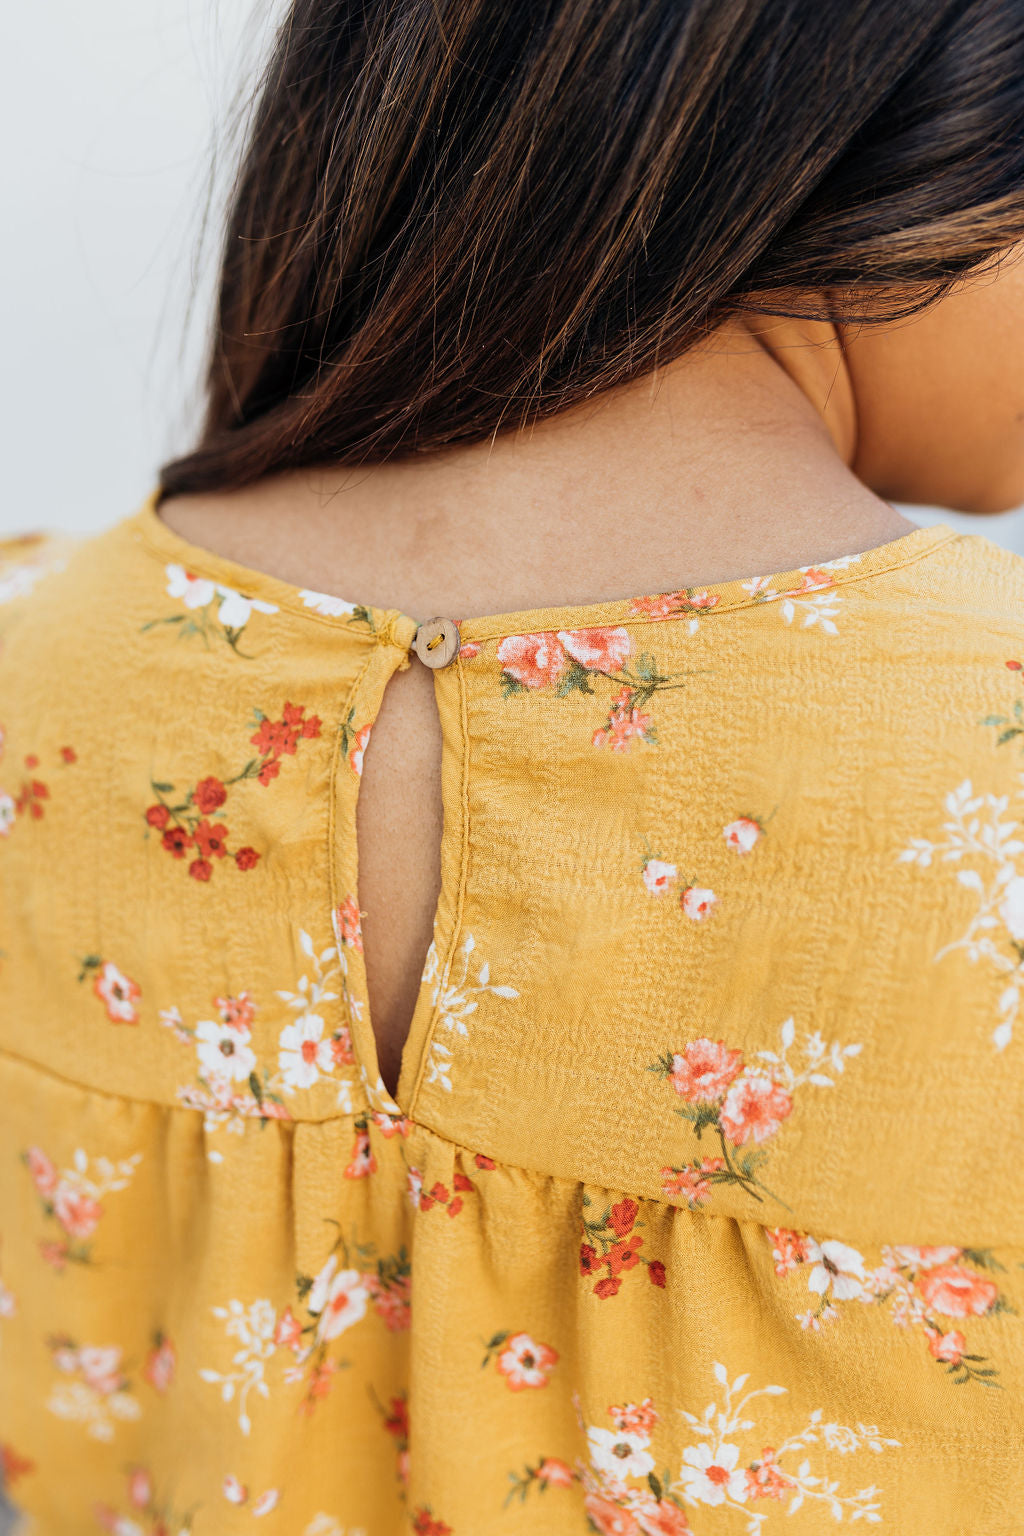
(337, 1300)
(766, 1479)
(234, 1491)
(355, 756)
(754, 1108)
(524, 1363)
(599, 650)
(952, 1290)
(704, 1069)
(923, 1258)
(160, 1362)
(657, 1518)
(696, 901)
(363, 1161)
(814, 577)
(77, 1212)
(608, 1518)
(535, 661)
(553, 1473)
(947, 1347)
(140, 1487)
(44, 1174)
(288, 1331)
(658, 876)
(392, 1301)
(788, 1249)
(349, 929)
(742, 833)
(634, 1418)
(626, 724)
(100, 1366)
(391, 1125)
(238, 1011)
(692, 1183)
(118, 993)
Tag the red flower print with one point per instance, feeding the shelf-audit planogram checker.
(754, 1108)
(703, 1070)
(461, 1182)
(607, 1287)
(625, 1254)
(118, 993)
(623, 1216)
(209, 795)
(176, 840)
(275, 738)
(210, 840)
(424, 1524)
(955, 1291)
(589, 1261)
(1014, 666)
(157, 816)
(525, 1363)
(484, 1162)
(270, 770)
(200, 869)
(533, 661)
(246, 858)
(396, 1421)
(13, 1466)
(656, 1273)
(597, 649)
(69, 755)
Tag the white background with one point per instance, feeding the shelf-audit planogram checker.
(113, 118)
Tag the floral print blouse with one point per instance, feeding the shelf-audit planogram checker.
(699, 1207)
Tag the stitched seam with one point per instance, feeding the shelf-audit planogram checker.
(332, 860)
(209, 569)
(461, 895)
(740, 604)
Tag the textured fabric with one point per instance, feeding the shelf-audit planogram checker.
(699, 1206)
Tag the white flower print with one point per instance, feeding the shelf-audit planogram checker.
(326, 1525)
(224, 1051)
(305, 1053)
(658, 876)
(454, 1003)
(234, 610)
(253, 1326)
(838, 1267)
(711, 1475)
(8, 813)
(337, 1299)
(977, 831)
(820, 1058)
(619, 1453)
(330, 607)
(714, 1471)
(697, 902)
(18, 580)
(98, 1393)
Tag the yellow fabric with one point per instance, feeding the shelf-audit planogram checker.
(703, 1175)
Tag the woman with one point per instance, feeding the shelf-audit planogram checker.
(601, 1113)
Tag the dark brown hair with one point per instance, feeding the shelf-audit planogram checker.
(452, 217)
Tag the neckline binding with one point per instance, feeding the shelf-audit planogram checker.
(398, 627)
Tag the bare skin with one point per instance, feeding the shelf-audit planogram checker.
(772, 447)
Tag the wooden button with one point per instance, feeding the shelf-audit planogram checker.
(436, 642)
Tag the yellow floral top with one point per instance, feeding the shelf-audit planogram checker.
(700, 1205)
